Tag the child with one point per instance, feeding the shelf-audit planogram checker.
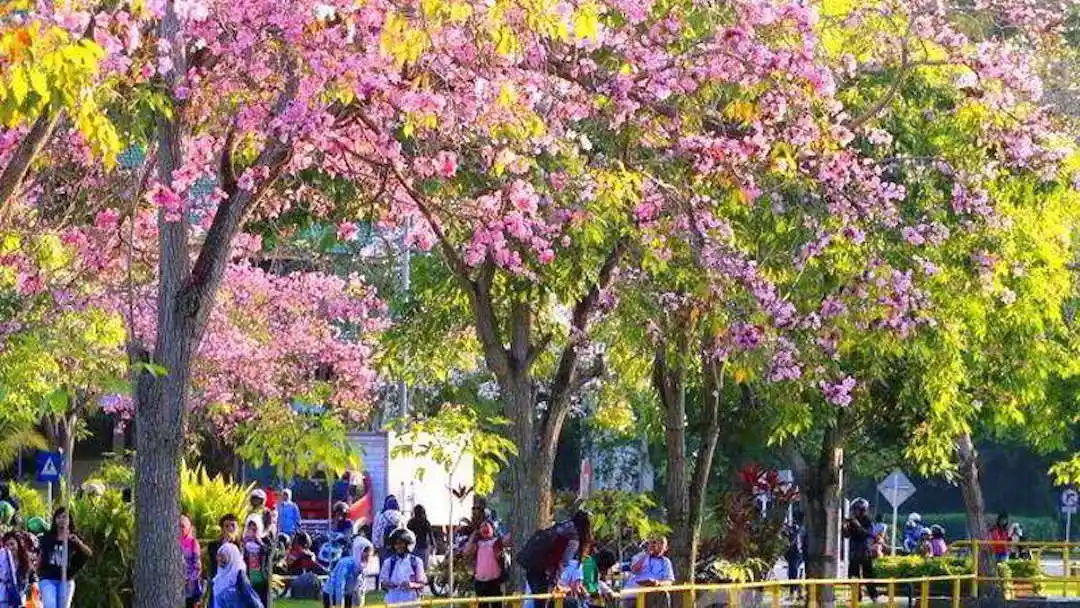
(938, 547)
(189, 547)
(581, 580)
(232, 589)
(402, 575)
(486, 549)
(256, 556)
(346, 584)
(923, 548)
(301, 559)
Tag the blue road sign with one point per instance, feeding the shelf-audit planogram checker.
(49, 466)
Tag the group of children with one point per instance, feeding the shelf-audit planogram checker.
(244, 562)
(924, 541)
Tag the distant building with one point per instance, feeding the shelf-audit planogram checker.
(622, 466)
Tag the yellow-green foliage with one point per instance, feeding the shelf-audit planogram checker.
(205, 498)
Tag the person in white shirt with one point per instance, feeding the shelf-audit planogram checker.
(402, 575)
(651, 568)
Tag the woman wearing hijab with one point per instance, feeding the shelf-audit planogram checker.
(386, 524)
(346, 584)
(14, 572)
(232, 589)
(189, 547)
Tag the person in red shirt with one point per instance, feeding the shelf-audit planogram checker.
(999, 538)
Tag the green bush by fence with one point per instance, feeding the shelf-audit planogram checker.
(913, 566)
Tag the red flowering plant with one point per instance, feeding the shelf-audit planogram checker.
(750, 517)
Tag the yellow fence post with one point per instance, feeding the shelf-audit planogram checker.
(854, 591)
(924, 601)
(639, 600)
(956, 593)
(559, 601)
(892, 594)
(776, 595)
(975, 579)
(813, 596)
(1068, 572)
(733, 598)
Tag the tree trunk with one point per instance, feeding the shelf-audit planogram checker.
(820, 485)
(160, 414)
(685, 490)
(527, 484)
(669, 383)
(990, 591)
(19, 164)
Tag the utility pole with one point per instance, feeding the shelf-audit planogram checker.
(405, 275)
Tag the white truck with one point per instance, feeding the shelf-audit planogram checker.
(414, 481)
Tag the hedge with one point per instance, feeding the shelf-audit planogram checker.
(913, 566)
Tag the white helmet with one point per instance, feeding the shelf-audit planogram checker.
(258, 493)
(914, 518)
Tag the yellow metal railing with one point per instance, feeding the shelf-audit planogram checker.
(1042, 554)
(769, 593)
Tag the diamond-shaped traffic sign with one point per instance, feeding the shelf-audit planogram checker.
(896, 488)
(49, 466)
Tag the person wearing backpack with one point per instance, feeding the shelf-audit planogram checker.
(548, 551)
(346, 583)
(490, 563)
(402, 575)
(388, 522)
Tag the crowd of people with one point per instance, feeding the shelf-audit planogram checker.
(868, 541)
(562, 558)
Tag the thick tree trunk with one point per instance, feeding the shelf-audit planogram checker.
(685, 491)
(528, 485)
(819, 482)
(19, 164)
(990, 591)
(669, 383)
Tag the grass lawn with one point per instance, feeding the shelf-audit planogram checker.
(372, 599)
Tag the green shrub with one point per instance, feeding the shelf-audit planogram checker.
(107, 524)
(31, 502)
(116, 472)
(206, 498)
(913, 566)
(955, 524)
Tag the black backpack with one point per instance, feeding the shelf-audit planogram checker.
(534, 555)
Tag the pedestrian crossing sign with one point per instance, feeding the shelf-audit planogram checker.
(49, 466)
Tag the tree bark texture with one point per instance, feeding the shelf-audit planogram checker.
(990, 591)
(186, 294)
(819, 482)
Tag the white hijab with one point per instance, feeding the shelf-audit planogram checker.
(226, 575)
(361, 545)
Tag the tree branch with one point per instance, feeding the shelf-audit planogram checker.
(520, 331)
(198, 293)
(498, 360)
(887, 98)
(24, 155)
